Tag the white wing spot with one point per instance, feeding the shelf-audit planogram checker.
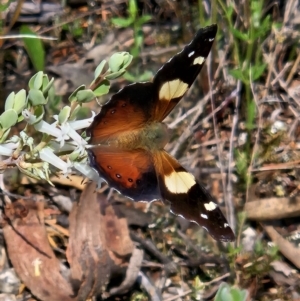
(199, 60)
(179, 182)
(226, 225)
(210, 206)
(204, 216)
(191, 53)
(173, 89)
(211, 39)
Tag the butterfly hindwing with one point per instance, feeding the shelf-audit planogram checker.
(132, 172)
(188, 198)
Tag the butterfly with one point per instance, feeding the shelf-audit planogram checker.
(128, 137)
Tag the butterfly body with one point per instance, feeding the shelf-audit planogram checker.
(128, 137)
(153, 136)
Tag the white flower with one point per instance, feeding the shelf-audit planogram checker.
(46, 154)
(64, 134)
(82, 124)
(5, 151)
(47, 128)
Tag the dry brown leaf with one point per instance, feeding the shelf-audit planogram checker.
(87, 251)
(30, 253)
(116, 230)
(99, 243)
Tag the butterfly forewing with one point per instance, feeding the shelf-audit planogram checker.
(177, 75)
(129, 109)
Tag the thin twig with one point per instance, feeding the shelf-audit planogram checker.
(229, 203)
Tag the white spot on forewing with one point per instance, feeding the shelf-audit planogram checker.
(211, 39)
(199, 60)
(173, 89)
(179, 182)
(226, 225)
(204, 216)
(191, 53)
(210, 206)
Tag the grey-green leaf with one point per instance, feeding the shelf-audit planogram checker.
(85, 96)
(102, 89)
(64, 115)
(115, 74)
(36, 97)
(99, 69)
(9, 103)
(38, 81)
(8, 118)
(116, 61)
(73, 96)
(20, 101)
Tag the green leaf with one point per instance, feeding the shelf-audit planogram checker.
(251, 113)
(257, 71)
(4, 134)
(8, 118)
(121, 22)
(133, 9)
(236, 295)
(139, 39)
(73, 96)
(115, 74)
(240, 35)
(238, 74)
(227, 293)
(38, 81)
(85, 96)
(118, 60)
(36, 97)
(241, 162)
(127, 59)
(75, 112)
(20, 101)
(39, 112)
(31, 81)
(146, 76)
(47, 85)
(142, 20)
(64, 115)
(20, 118)
(9, 103)
(34, 48)
(99, 69)
(102, 89)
